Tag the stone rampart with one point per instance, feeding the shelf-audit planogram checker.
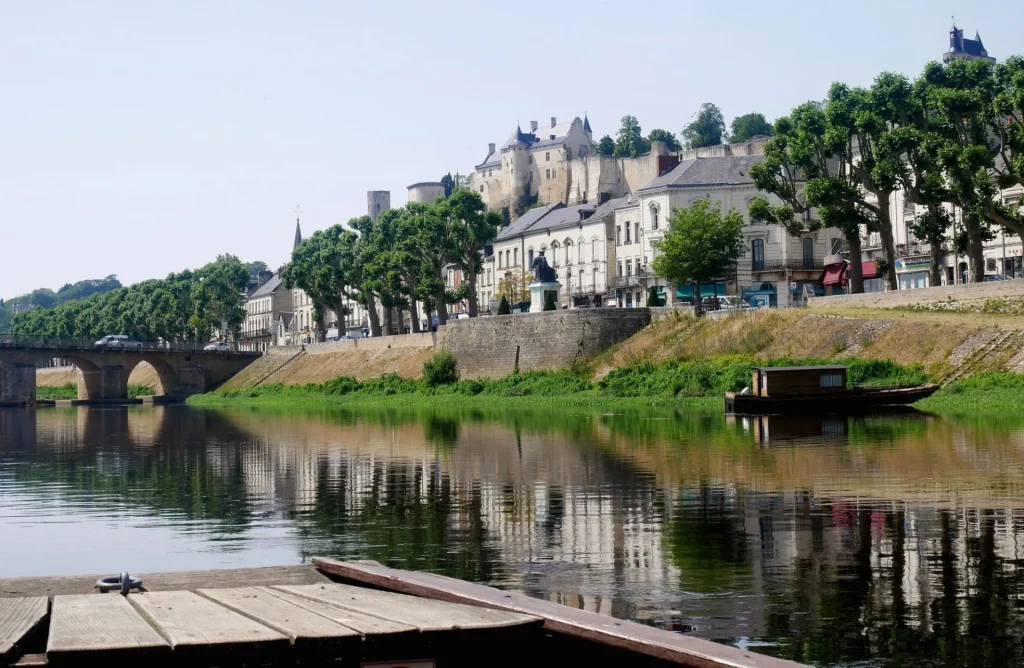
(492, 347)
(897, 298)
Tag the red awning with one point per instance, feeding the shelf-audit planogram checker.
(869, 270)
(833, 274)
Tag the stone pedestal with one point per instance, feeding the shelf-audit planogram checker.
(538, 290)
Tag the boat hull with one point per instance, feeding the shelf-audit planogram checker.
(858, 400)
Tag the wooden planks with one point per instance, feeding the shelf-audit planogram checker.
(591, 626)
(84, 626)
(305, 622)
(18, 618)
(190, 622)
(421, 613)
(171, 581)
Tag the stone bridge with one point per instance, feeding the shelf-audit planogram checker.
(104, 372)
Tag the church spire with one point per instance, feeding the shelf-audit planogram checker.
(298, 229)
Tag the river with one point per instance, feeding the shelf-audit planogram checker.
(892, 541)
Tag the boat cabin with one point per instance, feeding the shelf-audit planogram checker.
(802, 381)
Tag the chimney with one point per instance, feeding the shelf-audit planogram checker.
(553, 121)
(533, 126)
(490, 149)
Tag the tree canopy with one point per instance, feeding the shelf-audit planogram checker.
(665, 136)
(46, 298)
(706, 129)
(630, 141)
(701, 244)
(186, 306)
(606, 146)
(748, 126)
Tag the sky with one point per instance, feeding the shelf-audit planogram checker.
(141, 138)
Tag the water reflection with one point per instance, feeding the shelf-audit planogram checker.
(891, 540)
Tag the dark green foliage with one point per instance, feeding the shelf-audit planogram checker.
(748, 126)
(503, 307)
(653, 299)
(706, 129)
(187, 306)
(46, 298)
(255, 267)
(549, 301)
(666, 137)
(606, 146)
(441, 369)
(630, 141)
(70, 391)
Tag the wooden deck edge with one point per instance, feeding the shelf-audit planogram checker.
(631, 636)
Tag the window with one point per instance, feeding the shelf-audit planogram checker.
(547, 173)
(530, 256)
(481, 188)
(628, 228)
(835, 246)
(507, 257)
(579, 252)
(654, 217)
(629, 300)
(629, 267)
(757, 255)
(593, 251)
(832, 380)
(554, 254)
(547, 156)
(618, 235)
(515, 257)
(500, 263)
(808, 253)
(568, 252)
(636, 231)
(620, 269)
(553, 172)
(637, 300)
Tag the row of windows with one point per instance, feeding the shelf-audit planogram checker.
(628, 266)
(630, 238)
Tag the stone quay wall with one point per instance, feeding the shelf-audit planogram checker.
(940, 293)
(492, 347)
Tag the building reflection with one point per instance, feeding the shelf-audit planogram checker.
(889, 539)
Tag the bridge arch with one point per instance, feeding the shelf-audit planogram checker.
(167, 375)
(93, 380)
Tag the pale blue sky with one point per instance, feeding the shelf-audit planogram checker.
(140, 138)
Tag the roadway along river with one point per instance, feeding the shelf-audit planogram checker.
(895, 541)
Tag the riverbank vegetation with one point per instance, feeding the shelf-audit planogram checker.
(70, 391)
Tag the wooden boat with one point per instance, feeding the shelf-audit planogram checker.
(359, 613)
(816, 390)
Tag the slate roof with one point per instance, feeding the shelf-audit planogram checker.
(732, 170)
(524, 222)
(267, 288)
(550, 217)
(286, 319)
(610, 206)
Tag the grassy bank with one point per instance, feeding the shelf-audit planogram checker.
(70, 391)
(697, 383)
(989, 395)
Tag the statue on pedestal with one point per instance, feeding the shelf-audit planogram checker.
(542, 272)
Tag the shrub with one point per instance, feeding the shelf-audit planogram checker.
(441, 369)
(503, 307)
(653, 299)
(549, 301)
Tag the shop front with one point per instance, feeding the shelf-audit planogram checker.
(760, 294)
(912, 273)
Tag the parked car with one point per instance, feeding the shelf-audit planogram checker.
(711, 303)
(995, 277)
(733, 302)
(118, 341)
(218, 346)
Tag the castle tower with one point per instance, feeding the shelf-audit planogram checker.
(965, 49)
(377, 201)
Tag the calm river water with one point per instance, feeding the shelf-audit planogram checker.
(894, 541)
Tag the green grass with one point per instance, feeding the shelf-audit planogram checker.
(993, 395)
(70, 391)
(703, 382)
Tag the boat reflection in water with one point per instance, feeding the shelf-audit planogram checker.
(889, 540)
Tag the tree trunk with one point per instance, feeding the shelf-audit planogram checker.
(856, 264)
(401, 320)
(371, 313)
(935, 269)
(888, 244)
(441, 305)
(975, 249)
(474, 306)
(389, 314)
(415, 315)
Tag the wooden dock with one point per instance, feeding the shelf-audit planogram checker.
(301, 615)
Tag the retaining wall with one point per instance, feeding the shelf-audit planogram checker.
(491, 347)
(894, 298)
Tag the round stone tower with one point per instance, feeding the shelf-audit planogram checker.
(426, 192)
